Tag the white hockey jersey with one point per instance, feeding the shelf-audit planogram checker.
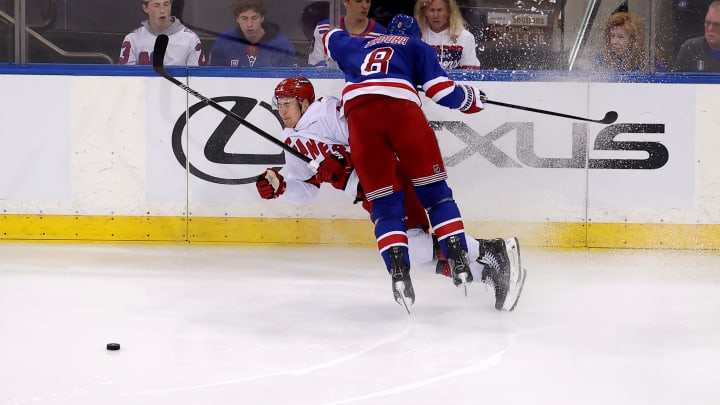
(184, 47)
(453, 54)
(319, 131)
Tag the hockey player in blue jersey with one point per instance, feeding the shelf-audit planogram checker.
(388, 128)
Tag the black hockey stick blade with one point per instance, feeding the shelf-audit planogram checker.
(159, 50)
(610, 116)
(161, 44)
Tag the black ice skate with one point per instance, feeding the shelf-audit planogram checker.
(400, 277)
(502, 271)
(459, 263)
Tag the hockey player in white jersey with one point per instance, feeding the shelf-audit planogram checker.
(318, 130)
(184, 47)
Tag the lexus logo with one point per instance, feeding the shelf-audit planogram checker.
(215, 164)
(212, 162)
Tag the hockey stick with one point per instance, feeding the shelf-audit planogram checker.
(609, 118)
(161, 44)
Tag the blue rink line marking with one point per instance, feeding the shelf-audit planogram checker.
(322, 73)
(395, 338)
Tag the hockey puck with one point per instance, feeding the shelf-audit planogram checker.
(113, 346)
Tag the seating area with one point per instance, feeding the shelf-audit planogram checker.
(510, 35)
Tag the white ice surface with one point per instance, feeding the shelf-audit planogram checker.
(289, 325)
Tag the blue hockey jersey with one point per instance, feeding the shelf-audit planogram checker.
(393, 66)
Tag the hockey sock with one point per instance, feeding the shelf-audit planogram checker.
(388, 213)
(443, 212)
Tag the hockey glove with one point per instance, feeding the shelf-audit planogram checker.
(335, 169)
(474, 100)
(270, 184)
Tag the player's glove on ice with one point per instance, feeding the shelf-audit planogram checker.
(270, 184)
(474, 100)
(335, 169)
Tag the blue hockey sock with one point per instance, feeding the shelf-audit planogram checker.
(443, 212)
(388, 213)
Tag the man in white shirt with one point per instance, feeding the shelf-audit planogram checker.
(184, 47)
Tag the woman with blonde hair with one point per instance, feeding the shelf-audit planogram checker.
(443, 28)
(624, 46)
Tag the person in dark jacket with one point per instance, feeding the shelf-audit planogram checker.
(254, 42)
(702, 54)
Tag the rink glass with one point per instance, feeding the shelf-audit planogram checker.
(511, 35)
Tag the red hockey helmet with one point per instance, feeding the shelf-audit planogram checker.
(299, 88)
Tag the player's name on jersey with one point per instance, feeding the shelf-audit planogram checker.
(387, 39)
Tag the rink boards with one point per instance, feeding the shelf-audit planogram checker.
(107, 157)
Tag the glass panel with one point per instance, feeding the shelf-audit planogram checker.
(7, 31)
(516, 35)
(96, 29)
(288, 19)
(509, 34)
(571, 35)
(619, 38)
(693, 35)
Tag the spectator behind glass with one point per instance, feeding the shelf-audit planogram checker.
(443, 28)
(624, 46)
(184, 47)
(355, 21)
(254, 42)
(702, 54)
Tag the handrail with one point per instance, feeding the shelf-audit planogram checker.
(586, 25)
(47, 22)
(54, 47)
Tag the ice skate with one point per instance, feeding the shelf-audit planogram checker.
(503, 270)
(400, 277)
(459, 263)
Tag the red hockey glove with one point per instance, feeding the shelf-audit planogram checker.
(270, 184)
(474, 100)
(335, 169)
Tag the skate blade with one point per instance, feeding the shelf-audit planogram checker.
(401, 298)
(463, 281)
(517, 274)
(520, 285)
(404, 303)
